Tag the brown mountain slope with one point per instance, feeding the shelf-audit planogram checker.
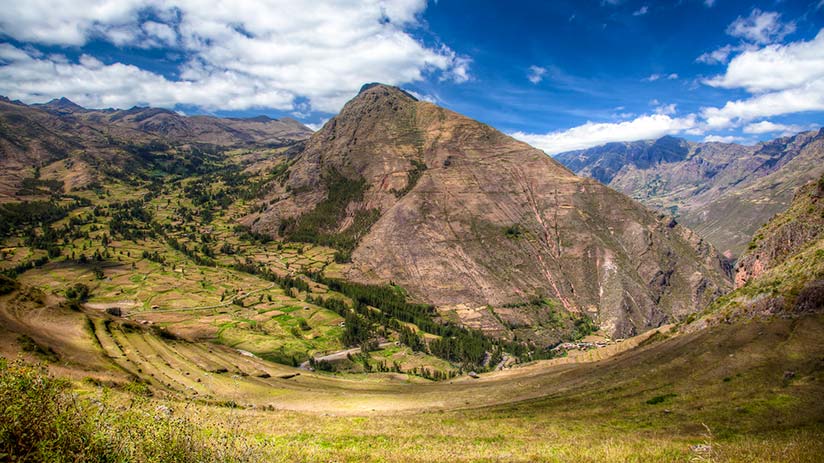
(177, 128)
(723, 191)
(480, 224)
(86, 142)
(779, 243)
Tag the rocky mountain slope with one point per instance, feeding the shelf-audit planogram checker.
(723, 191)
(792, 242)
(490, 230)
(782, 272)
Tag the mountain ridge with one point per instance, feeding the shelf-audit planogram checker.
(723, 191)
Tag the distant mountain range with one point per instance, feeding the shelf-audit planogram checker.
(723, 191)
(98, 141)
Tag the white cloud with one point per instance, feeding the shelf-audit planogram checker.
(770, 127)
(775, 67)
(654, 77)
(317, 126)
(761, 27)
(243, 54)
(160, 34)
(783, 79)
(709, 3)
(641, 11)
(422, 96)
(723, 139)
(719, 56)
(536, 74)
(668, 109)
(593, 134)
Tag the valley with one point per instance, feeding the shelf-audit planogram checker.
(416, 297)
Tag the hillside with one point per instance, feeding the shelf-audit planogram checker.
(733, 384)
(490, 230)
(723, 191)
(73, 148)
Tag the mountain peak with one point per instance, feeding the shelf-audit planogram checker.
(63, 104)
(384, 89)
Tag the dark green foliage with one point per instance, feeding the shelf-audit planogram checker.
(320, 225)
(660, 399)
(22, 267)
(584, 326)
(409, 338)
(321, 365)
(130, 220)
(37, 186)
(457, 344)
(244, 233)
(28, 344)
(513, 231)
(7, 284)
(15, 217)
(79, 292)
(418, 168)
(356, 330)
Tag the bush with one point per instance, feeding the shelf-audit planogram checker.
(41, 419)
(7, 284)
(79, 292)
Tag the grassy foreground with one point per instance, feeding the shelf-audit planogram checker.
(748, 391)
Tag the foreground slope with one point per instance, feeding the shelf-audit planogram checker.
(723, 191)
(480, 224)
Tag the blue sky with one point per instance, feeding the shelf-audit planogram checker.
(558, 74)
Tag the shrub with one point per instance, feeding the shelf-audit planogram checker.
(7, 284)
(41, 419)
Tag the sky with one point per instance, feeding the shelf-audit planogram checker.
(560, 75)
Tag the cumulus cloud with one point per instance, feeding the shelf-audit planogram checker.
(641, 11)
(593, 134)
(761, 27)
(775, 67)
(783, 79)
(241, 54)
(536, 74)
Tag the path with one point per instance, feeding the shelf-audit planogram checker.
(340, 355)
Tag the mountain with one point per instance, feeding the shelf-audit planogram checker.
(174, 127)
(91, 143)
(789, 249)
(723, 191)
(493, 232)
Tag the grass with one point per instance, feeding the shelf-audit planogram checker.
(621, 409)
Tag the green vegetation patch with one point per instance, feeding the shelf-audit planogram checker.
(320, 225)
